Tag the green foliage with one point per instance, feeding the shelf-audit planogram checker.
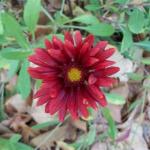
(144, 44)
(86, 140)
(92, 7)
(135, 76)
(127, 41)
(86, 19)
(31, 13)
(12, 28)
(146, 61)
(45, 124)
(112, 130)
(13, 144)
(115, 99)
(11, 53)
(136, 21)
(24, 85)
(101, 29)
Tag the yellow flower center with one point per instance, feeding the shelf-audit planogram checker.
(74, 74)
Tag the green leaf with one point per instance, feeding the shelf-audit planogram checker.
(61, 18)
(136, 21)
(135, 76)
(11, 53)
(14, 64)
(6, 144)
(144, 44)
(15, 138)
(45, 124)
(92, 7)
(31, 13)
(146, 61)
(90, 138)
(112, 131)
(1, 26)
(24, 80)
(122, 1)
(115, 99)
(4, 63)
(101, 29)
(126, 41)
(86, 19)
(12, 28)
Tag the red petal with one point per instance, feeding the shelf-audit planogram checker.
(106, 54)
(78, 38)
(104, 64)
(69, 49)
(92, 79)
(48, 44)
(84, 48)
(110, 71)
(97, 94)
(91, 61)
(106, 82)
(68, 37)
(42, 100)
(100, 46)
(82, 107)
(57, 43)
(89, 39)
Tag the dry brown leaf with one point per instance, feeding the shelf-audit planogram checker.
(82, 125)
(17, 103)
(58, 135)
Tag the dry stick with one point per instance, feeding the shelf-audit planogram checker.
(51, 134)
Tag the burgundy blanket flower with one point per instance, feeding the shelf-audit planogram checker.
(72, 73)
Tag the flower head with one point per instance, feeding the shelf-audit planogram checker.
(72, 73)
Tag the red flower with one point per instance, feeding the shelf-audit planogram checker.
(72, 72)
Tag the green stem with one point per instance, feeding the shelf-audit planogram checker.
(48, 14)
(62, 6)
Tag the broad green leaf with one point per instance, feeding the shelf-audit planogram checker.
(24, 80)
(15, 138)
(136, 21)
(126, 41)
(31, 13)
(112, 131)
(116, 99)
(144, 44)
(45, 124)
(1, 26)
(86, 19)
(146, 61)
(12, 28)
(101, 29)
(11, 53)
(122, 1)
(92, 7)
(61, 18)
(135, 76)
(6, 144)
(94, 2)
(14, 64)
(90, 138)
(4, 63)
